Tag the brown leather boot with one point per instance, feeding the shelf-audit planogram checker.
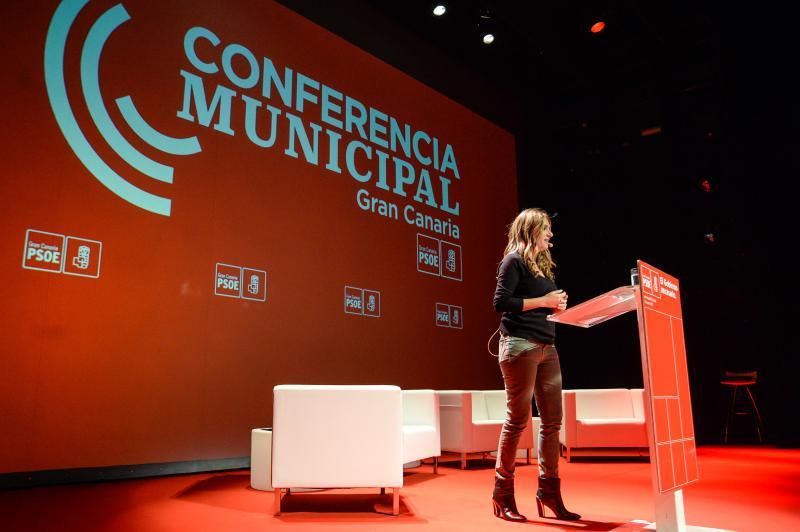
(503, 503)
(549, 494)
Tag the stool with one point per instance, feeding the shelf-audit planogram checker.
(744, 380)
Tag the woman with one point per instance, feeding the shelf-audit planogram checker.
(526, 294)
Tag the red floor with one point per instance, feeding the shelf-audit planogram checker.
(741, 488)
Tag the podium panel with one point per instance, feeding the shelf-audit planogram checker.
(668, 405)
(666, 377)
(666, 380)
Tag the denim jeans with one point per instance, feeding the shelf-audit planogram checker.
(529, 370)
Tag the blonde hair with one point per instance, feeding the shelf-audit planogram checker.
(522, 235)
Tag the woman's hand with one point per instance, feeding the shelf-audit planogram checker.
(556, 299)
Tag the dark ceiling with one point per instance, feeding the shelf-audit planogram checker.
(547, 46)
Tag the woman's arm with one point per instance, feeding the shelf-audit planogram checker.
(556, 299)
(508, 277)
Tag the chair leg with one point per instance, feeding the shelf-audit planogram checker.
(569, 455)
(395, 501)
(383, 491)
(731, 412)
(277, 501)
(759, 423)
(528, 456)
(463, 460)
(435, 465)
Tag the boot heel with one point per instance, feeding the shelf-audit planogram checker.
(549, 495)
(506, 511)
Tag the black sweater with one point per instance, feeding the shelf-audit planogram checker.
(515, 282)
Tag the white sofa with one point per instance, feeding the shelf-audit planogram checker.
(337, 437)
(604, 421)
(421, 428)
(471, 422)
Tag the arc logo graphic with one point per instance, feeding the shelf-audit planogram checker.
(55, 45)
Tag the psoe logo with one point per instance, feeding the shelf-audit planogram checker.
(372, 303)
(254, 284)
(56, 253)
(353, 300)
(428, 253)
(240, 282)
(451, 257)
(362, 302)
(450, 316)
(438, 257)
(43, 251)
(91, 50)
(649, 280)
(456, 317)
(228, 280)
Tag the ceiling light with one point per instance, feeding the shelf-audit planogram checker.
(486, 26)
(439, 10)
(598, 26)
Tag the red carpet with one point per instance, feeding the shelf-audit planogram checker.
(741, 488)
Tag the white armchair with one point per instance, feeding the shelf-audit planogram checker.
(421, 429)
(337, 436)
(471, 422)
(604, 421)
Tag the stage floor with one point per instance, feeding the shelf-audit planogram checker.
(741, 488)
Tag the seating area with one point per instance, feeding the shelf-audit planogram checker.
(421, 429)
(337, 436)
(371, 431)
(472, 421)
(604, 422)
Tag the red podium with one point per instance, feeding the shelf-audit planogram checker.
(668, 407)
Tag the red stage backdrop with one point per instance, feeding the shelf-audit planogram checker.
(204, 199)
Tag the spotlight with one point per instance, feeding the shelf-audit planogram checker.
(439, 10)
(598, 26)
(486, 27)
(655, 130)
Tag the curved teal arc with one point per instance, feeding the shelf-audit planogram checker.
(90, 80)
(56, 40)
(156, 139)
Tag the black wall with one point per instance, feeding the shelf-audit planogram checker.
(724, 101)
